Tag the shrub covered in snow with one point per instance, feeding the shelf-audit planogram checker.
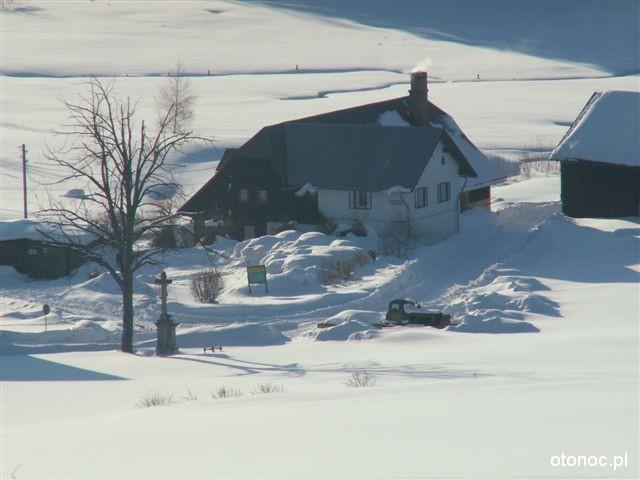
(206, 285)
(396, 239)
(266, 388)
(360, 380)
(155, 399)
(225, 392)
(343, 270)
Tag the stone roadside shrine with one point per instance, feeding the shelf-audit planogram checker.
(166, 327)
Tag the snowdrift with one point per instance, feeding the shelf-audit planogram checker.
(293, 258)
(235, 335)
(83, 335)
(498, 306)
(347, 325)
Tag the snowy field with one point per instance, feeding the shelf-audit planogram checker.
(543, 357)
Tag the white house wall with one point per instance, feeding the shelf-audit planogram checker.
(431, 223)
(334, 204)
(437, 221)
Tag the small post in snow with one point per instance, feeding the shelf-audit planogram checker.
(166, 343)
(45, 309)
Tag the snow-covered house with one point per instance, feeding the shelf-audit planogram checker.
(25, 245)
(600, 158)
(400, 160)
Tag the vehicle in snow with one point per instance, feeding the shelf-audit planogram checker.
(400, 313)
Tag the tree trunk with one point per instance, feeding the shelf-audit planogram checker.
(127, 312)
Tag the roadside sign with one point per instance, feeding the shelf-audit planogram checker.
(257, 274)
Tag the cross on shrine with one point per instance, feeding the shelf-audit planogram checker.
(166, 344)
(163, 281)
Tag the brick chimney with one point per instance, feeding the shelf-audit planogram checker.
(418, 99)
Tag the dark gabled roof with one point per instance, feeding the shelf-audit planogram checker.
(365, 157)
(267, 144)
(228, 154)
(271, 143)
(369, 113)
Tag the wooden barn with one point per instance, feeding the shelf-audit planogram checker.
(600, 158)
(337, 166)
(24, 248)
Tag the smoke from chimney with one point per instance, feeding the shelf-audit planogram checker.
(422, 65)
(419, 98)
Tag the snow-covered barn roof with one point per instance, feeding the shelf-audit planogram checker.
(606, 130)
(40, 231)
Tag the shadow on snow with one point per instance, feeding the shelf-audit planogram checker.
(605, 34)
(25, 368)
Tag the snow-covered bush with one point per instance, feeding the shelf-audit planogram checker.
(190, 396)
(342, 270)
(155, 399)
(397, 238)
(225, 392)
(358, 229)
(266, 388)
(360, 380)
(206, 285)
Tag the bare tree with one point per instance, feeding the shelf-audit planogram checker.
(123, 164)
(177, 95)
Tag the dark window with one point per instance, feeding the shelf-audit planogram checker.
(262, 196)
(360, 199)
(421, 197)
(444, 192)
(243, 194)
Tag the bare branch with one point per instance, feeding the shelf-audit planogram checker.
(123, 165)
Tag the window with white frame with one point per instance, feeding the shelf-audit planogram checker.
(422, 199)
(360, 199)
(243, 195)
(444, 192)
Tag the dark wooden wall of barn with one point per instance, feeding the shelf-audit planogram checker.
(478, 198)
(594, 189)
(38, 259)
(253, 175)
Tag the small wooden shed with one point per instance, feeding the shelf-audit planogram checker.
(600, 158)
(25, 248)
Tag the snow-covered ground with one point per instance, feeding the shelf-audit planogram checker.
(542, 359)
(545, 362)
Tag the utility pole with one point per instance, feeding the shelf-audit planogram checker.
(24, 178)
